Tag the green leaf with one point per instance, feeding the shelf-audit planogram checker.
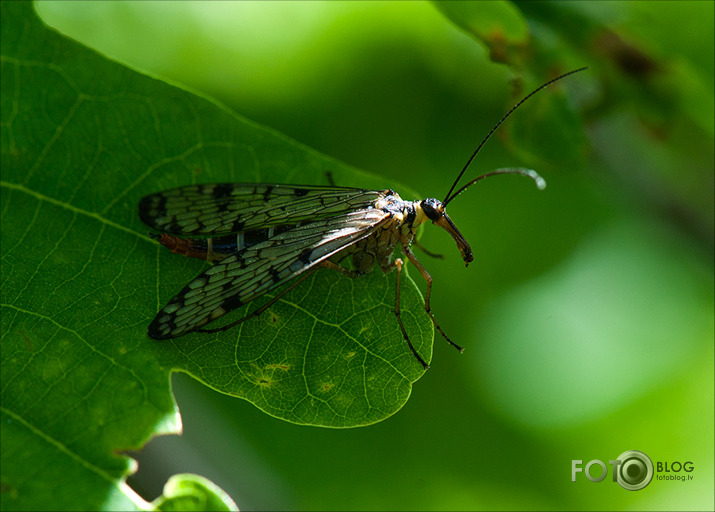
(193, 492)
(83, 139)
(546, 133)
(499, 26)
(328, 354)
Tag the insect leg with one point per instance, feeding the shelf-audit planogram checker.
(339, 268)
(411, 256)
(427, 252)
(329, 177)
(267, 305)
(398, 264)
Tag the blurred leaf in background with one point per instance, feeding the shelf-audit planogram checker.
(587, 316)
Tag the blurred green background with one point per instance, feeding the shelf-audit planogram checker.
(587, 315)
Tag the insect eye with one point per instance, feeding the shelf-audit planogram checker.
(432, 208)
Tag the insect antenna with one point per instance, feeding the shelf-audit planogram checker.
(529, 173)
(526, 172)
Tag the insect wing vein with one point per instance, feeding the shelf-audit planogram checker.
(224, 208)
(256, 270)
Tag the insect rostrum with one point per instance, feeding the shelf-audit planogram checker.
(262, 237)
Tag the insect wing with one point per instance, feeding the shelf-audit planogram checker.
(256, 270)
(223, 208)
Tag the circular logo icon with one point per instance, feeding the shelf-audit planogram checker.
(635, 470)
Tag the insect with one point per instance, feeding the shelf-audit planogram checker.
(261, 237)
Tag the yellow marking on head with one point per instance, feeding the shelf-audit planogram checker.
(421, 216)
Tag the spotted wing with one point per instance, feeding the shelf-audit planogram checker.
(256, 270)
(223, 208)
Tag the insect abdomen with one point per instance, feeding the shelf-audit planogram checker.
(218, 247)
